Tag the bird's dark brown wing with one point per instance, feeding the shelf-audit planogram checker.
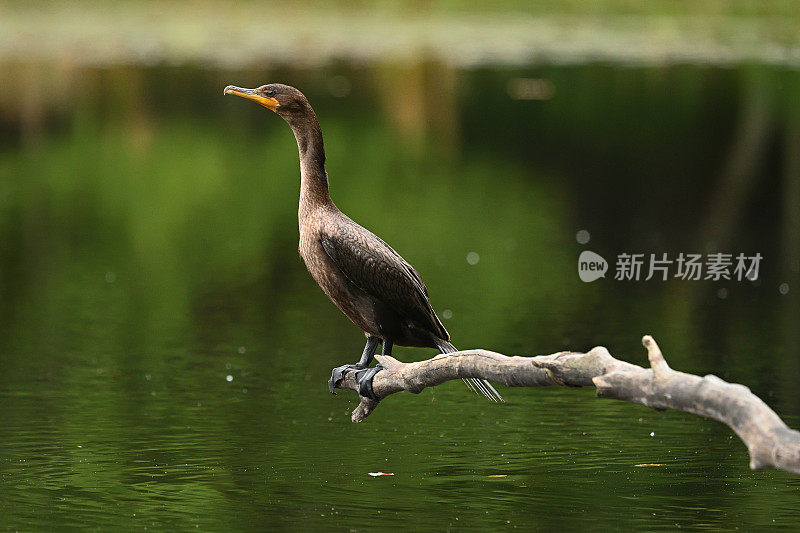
(375, 268)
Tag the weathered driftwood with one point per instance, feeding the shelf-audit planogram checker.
(770, 442)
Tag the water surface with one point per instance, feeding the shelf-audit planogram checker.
(164, 353)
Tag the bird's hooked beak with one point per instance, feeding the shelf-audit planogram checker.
(252, 94)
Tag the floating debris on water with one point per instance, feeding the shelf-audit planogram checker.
(376, 474)
(650, 464)
(229, 378)
(498, 475)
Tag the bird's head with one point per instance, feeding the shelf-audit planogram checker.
(283, 99)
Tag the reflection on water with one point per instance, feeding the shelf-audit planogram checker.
(164, 353)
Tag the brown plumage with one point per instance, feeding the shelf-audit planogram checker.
(367, 280)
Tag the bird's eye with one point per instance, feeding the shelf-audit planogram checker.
(270, 93)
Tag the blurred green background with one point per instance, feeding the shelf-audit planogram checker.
(164, 353)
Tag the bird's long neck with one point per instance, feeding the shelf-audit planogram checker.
(313, 177)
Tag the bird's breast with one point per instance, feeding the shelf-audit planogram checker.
(353, 302)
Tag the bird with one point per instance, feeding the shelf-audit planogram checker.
(378, 290)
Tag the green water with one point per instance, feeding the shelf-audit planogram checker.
(164, 353)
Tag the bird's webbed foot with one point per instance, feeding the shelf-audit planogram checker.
(364, 378)
(338, 374)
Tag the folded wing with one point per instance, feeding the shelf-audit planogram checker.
(375, 268)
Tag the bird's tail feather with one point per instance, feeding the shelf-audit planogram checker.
(476, 385)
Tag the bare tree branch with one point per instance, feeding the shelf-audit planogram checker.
(770, 442)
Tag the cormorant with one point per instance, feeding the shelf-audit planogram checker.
(367, 280)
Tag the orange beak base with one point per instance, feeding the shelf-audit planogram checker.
(252, 94)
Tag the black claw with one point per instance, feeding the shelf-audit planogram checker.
(338, 374)
(364, 378)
